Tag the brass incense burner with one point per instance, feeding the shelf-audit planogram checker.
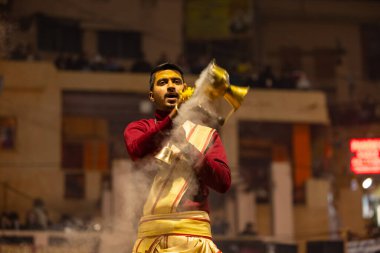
(218, 87)
(214, 83)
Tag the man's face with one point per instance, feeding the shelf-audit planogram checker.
(166, 88)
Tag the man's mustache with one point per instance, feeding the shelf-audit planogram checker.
(171, 95)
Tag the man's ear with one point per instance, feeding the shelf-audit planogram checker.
(151, 98)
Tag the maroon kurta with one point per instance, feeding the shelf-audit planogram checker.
(144, 138)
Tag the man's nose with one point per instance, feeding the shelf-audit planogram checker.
(171, 86)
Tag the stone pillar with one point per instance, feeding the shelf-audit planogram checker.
(282, 200)
(230, 205)
(230, 140)
(120, 193)
(246, 208)
(106, 209)
(120, 234)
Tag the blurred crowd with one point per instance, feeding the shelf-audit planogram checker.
(24, 52)
(37, 218)
(242, 71)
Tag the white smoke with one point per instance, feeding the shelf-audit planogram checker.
(199, 108)
(131, 185)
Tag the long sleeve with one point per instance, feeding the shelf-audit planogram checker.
(215, 171)
(144, 136)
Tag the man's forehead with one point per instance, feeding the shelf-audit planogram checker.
(167, 73)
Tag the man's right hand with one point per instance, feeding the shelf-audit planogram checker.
(174, 112)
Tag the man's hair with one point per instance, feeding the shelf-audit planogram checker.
(164, 66)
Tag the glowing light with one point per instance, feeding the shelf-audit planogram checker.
(366, 156)
(97, 227)
(367, 183)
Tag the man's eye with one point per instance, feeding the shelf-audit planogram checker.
(177, 81)
(161, 82)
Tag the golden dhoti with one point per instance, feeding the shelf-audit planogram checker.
(175, 232)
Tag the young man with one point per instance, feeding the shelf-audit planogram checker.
(175, 216)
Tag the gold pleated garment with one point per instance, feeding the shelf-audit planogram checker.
(172, 182)
(176, 232)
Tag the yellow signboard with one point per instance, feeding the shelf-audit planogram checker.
(217, 19)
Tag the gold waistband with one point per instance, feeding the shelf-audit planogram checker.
(193, 223)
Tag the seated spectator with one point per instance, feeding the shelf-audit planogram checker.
(249, 229)
(302, 82)
(60, 61)
(5, 222)
(19, 52)
(287, 80)
(31, 54)
(112, 65)
(65, 221)
(80, 62)
(14, 220)
(36, 218)
(97, 63)
(69, 62)
(267, 78)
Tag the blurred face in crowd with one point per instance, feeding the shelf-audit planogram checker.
(166, 87)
